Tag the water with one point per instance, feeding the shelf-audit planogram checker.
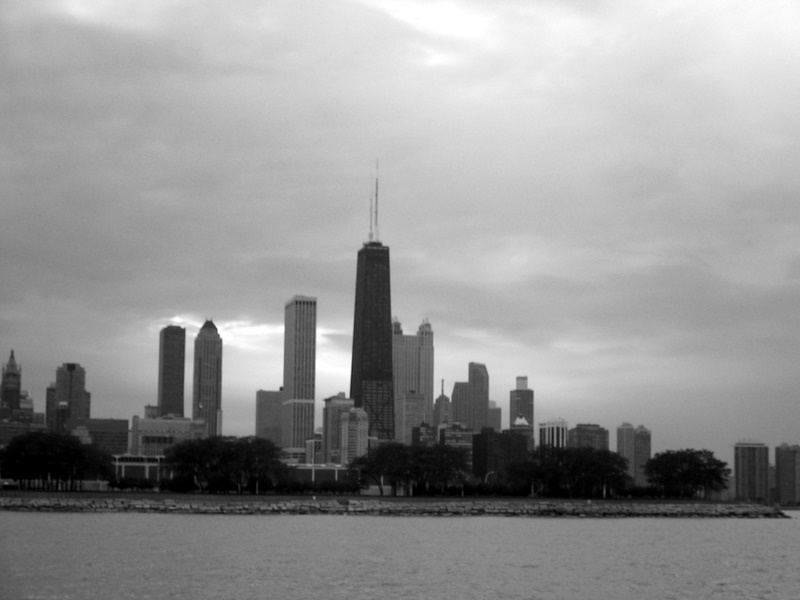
(154, 556)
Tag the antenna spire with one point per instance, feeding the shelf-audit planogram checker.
(377, 231)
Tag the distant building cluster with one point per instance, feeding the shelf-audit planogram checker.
(391, 398)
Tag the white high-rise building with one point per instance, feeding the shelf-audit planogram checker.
(354, 434)
(412, 364)
(332, 412)
(553, 433)
(409, 412)
(297, 424)
(300, 348)
(207, 391)
(634, 445)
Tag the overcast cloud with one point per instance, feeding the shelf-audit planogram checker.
(602, 196)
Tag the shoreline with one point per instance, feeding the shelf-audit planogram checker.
(391, 507)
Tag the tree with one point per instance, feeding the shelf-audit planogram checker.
(687, 473)
(389, 462)
(51, 460)
(434, 468)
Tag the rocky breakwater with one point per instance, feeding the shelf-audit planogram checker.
(377, 507)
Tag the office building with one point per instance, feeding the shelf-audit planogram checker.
(171, 370)
(588, 435)
(751, 467)
(641, 454)
(10, 389)
(269, 416)
(442, 409)
(787, 475)
(67, 398)
(110, 435)
(371, 376)
(553, 433)
(494, 416)
(300, 348)
(460, 402)
(412, 364)
(332, 412)
(297, 425)
(354, 434)
(153, 437)
(207, 391)
(456, 435)
(409, 413)
(478, 415)
(521, 403)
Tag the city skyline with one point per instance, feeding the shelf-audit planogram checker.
(601, 198)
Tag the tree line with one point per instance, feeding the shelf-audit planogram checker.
(58, 461)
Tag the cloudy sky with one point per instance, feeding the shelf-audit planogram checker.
(602, 196)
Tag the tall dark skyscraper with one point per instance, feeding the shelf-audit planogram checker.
(371, 374)
(171, 364)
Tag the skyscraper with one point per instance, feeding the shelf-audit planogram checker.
(354, 434)
(298, 424)
(409, 413)
(332, 412)
(171, 370)
(269, 416)
(787, 474)
(442, 409)
(412, 364)
(635, 446)
(371, 386)
(478, 416)
(641, 454)
(71, 397)
(207, 392)
(521, 403)
(625, 447)
(460, 402)
(300, 348)
(751, 465)
(10, 388)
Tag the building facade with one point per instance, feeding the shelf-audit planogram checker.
(412, 364)
(354, 434)
(460, 402)
(207, 390)
(300, 348)
(269, 416)
(409, 413)
(110, 435)
(588, 435)
(478, 416)
(442, 409)
(332, 412)
(553, 433)
(10, 389)
(787, 475)
(152, 437)
(297, 424)
(171, 370)
(751, 468)
(371, 376)
(520, 403)
(67, 398)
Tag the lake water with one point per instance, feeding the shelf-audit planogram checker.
(155, 556)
